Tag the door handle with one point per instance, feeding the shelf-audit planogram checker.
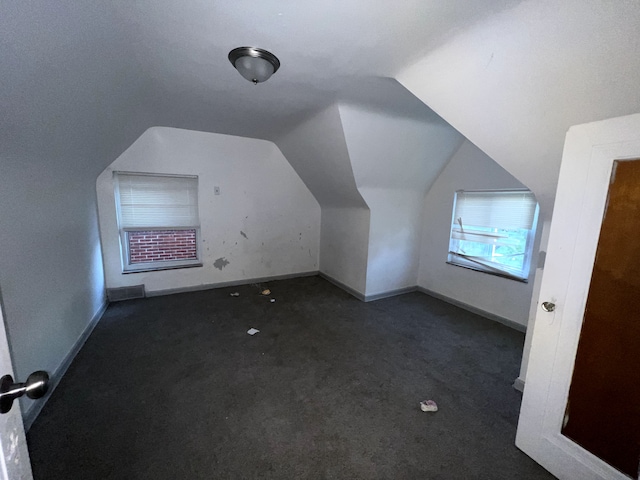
(548, 306)
(35, 387)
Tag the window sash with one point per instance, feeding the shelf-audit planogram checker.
(156, 202)
(484, 264)
(495, 210)
(489, 238)
(137, 267)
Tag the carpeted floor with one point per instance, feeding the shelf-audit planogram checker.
(174, 388)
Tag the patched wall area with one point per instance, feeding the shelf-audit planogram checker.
(263, 222)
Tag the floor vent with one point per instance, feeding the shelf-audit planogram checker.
(125, 293)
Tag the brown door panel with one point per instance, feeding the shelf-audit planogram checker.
(603, 412)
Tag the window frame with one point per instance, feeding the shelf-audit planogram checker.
(459, 260)
(123, 232)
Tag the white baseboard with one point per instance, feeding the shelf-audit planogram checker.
(31, 413)
(401, 291)
(366, 298)
(518, 384)
(476, 310)
(233, 283)
(346, 288)
(389, 293)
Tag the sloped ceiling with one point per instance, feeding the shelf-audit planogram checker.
(96, 74)
(516, 81)
(317, 150)
(69, 94)
(83, 80)
(182, 49)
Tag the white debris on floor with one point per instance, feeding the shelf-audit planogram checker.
(252, 331)
(428, 406)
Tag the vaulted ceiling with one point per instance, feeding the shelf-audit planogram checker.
(324, 47)
(109, 66)
(82, 80)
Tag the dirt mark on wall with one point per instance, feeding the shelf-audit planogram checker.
(220, 263)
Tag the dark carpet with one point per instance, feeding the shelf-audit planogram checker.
(174, 388)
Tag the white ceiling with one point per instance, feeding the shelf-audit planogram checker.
(181, 49)
(80, 81)
(514, 83)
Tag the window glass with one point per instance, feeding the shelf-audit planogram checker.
(493, 231)
(161, 245)
(158, 221)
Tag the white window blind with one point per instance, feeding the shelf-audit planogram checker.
(154, 201)
(493, 231)
(495, 209)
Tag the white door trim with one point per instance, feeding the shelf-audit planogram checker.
(579, 208)
(14, 456)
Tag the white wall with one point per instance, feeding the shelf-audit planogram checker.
(515, 82)
(260, 196)
(344, 245)
(67, 111)
(394, 239)
(395, 158)
(369, 167)
(50, 267)
(468, 169)
(317, 150)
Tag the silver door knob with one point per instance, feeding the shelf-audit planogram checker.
(548, 306)
(35, 387)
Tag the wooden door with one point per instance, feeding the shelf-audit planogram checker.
(603, 410)
(598, 439)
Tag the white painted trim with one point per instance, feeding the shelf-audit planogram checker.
(389, 293)
(346, 288)
(32, 412)
(476, 310)
(401, 291)
(367, 298)
(518, 384)
(233, 283)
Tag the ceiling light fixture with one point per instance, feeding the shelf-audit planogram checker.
(254, 64)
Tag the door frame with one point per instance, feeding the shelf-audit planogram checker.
(583, 186)
(14, 455)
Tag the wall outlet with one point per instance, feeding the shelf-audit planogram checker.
(216, 190)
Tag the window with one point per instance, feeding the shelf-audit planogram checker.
(493, 231)
(158, 221)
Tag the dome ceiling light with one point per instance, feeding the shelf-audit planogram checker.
(254, 64)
